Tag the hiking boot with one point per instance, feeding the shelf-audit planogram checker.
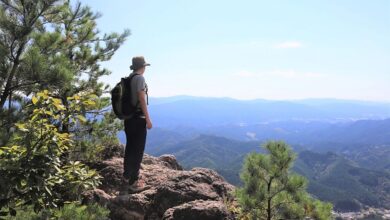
(138, 186)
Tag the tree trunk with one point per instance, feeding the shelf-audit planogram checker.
(65, 124)
(7, 90)
(269, 209)
(269, 200)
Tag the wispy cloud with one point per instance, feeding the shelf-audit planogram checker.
(263, 44)
(289, 44)
(295, 74)
(289, 74)
(245, 74)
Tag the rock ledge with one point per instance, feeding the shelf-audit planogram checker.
(174, 193)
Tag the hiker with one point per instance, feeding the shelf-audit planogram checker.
(136, 126)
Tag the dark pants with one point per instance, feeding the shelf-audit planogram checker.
(135, 129)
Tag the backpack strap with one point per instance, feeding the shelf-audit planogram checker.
(146, 92)
(129, 86)
(147, 95)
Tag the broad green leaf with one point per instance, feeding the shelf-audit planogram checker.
(21, 127)
(93, 96)
(34, 100)
(82, 118)
(34, 117)
(89, 102)
(57, 101)
(59, 106)
(48, 113)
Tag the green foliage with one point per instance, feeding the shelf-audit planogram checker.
(96, 133)
(55, 46)
(319, 210)
(271, 191)
(70, 211)
(332, 177)
(34, 167)
(76, 211)
(50, 44)
(37, 57)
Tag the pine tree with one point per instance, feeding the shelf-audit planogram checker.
(55, 47)
(50, 44)
(20, 21)
(272, 191)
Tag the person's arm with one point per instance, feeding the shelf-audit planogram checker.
(144, 108)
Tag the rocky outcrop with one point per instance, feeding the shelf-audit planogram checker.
(173, 193)
(198, 209)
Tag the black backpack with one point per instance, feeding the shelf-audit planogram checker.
(121, 99)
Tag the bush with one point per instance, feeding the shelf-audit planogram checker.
(97, 134)
(70, 211)
(76, 211)
(35, 169)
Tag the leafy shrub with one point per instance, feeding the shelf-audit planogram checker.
(76, 211)
(35, 169)
(70, 211)
(97, 133)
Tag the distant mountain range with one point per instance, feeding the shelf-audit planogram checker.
(347, 138)
(315, 124)
(331, 177)
(337, 179)
(203, 112)
(308, 122)
(343, 145)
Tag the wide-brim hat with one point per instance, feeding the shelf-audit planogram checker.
(138, 62)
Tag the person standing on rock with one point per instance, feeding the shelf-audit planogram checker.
(136, 126)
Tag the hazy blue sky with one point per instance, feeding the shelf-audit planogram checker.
(255, 49)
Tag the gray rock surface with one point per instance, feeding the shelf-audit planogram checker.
(173, 193)
(198, 209)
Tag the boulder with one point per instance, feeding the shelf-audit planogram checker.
(198, 209)
(173, 193)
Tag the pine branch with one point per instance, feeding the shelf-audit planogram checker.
(18, 86)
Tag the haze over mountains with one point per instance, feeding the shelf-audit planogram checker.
(343, 146)
(202, 112)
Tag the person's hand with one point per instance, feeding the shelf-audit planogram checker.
(149, 124)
